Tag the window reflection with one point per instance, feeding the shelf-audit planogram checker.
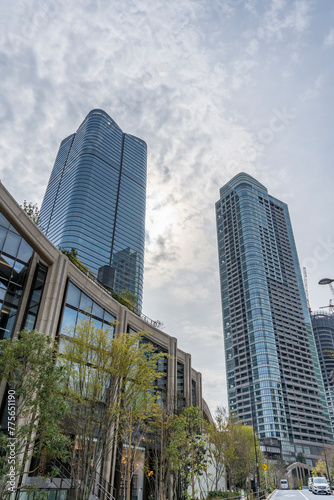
(12, 243)
(78, 307)
(35, 297)
(69, 320)
(15, 258)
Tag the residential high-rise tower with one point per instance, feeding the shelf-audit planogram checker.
(273, 375)
(323, 328)
(95, 201)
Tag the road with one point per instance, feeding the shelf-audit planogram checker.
(295, 495)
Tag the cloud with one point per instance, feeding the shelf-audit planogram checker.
(283, 17)
(329, 39)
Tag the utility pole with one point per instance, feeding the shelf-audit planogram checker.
(256, 457)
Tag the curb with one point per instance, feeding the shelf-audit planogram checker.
(271, 494)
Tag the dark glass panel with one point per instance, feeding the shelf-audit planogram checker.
(13, 294)
(180, 378)
(30, 321)
(7, 320)
(6, 266)
(193, 392)
(19, 274)
(35, 297)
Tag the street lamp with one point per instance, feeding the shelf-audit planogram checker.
(257, 468)
(325, 455)
(325, 281)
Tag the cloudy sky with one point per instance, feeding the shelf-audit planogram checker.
(214, 87)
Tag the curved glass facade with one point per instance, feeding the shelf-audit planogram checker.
(273, 372)
(95, 200)
(323, 328)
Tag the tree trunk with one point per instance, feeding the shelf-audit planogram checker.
(161, 458)
(128, 474)
(192, 470)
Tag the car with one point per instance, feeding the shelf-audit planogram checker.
(320, 485)
(284, 484)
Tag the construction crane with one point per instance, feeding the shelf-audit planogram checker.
(330, 306)
(306, 288)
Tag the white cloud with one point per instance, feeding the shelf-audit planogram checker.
(283, 16)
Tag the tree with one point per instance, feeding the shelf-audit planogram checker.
(110, 382)
(157, 465)
(276, 471)
(220, 449)
(231, 450)
(244, 464)
(320, 468)
(73, 257)
(35, 404)
(32, 211)
(325, 464)
(186, 451)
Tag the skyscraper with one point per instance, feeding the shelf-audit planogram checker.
(323, 328)
(273, 374)
(95, 201)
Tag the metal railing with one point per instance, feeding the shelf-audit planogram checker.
(59, 486)
(52, 494)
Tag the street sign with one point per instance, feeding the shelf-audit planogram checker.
(264, 466)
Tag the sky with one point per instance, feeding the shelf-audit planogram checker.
(214, 87)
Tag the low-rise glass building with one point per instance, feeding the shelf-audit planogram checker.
(41, 289)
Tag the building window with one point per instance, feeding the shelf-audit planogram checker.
(193, 392)
(35, 297)
(80, 306)
(15, 258)
(180, 385)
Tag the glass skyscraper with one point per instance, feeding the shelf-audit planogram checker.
(323, 328)
(273, 375)
(95, 201)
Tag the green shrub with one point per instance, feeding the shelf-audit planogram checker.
(223, 494)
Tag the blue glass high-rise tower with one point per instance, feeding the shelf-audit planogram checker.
(273, 373)
(323, 328)
(95, 201)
